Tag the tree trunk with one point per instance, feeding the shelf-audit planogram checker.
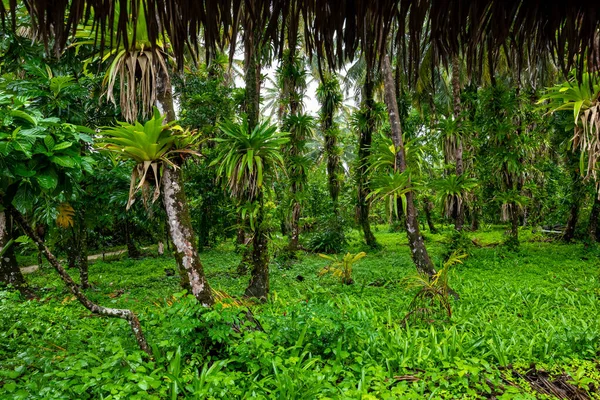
(514, 222)
(576, 195)
(10, 273)
(571, 222)
(427, 207)
(178, 214)
(593, 224)
(364, 152)
(125, 314)
(259, 280)
(83, 253)
(132, 250)
(459, 211)
(182, 236)
(415, 240)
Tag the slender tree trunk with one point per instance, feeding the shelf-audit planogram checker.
(259, 280)
(73, 249)
(125, 314)
(415, 240)
(83, 253)
(427, 207)
(593, 224)
(571, 222)
(10, 273)
(364, 151)
(333, 160)
(459, 211)
(514, 222)
(576, 195)
(178, 214)
(132, 250)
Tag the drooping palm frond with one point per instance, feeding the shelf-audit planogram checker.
(335, 30)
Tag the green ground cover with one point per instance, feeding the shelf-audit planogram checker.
(521, 317)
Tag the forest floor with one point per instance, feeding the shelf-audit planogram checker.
(526, 326)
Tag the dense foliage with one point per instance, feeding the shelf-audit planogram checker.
(418, 235)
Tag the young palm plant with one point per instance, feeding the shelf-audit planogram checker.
(160, 147)
(245, 160)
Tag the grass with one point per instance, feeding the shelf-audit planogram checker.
(531, 312)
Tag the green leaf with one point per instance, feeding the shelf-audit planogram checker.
(63, 161)
(48, 180)
(62, 146)
(49, 142)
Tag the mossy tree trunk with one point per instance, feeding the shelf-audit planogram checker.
(178, 215)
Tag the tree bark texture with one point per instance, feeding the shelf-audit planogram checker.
(182, 235)
(416, 243)
(364, 152)
(125, 314)
(179, 222)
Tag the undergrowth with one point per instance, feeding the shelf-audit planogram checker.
(536, 310)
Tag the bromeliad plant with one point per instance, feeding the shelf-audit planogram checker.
(149, 145)
(583, 100)
(153, 146)
(245, 159)
(341, 269)
(135, 62)
(433, 295)
(453, 191)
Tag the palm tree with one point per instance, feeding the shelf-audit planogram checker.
(246, 158)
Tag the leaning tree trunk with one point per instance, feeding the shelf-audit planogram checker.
(125, 314)
(415, 239)
(459, 211)
(178, 214)
(259, 280)
(10, 273)
(364, 152)
(593, 224)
